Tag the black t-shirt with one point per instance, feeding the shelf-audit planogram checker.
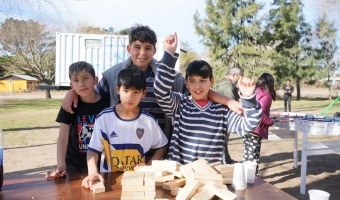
(288, 88)
(81, 127)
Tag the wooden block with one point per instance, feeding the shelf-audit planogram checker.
(144, 168)
(188, 190)
(202, 166)
(150, 193)
(175, 190)
(221, 191)
(168, 165)
(177, 174)
(187, 171)
(227, 180)
(214, 164)
(204, 194)
(149, 178)
(205, 178)
(164, 178)
(175, 183)
(133, 194)
(98, 187)
(137, 188)
(223, 169)
(133, 178)
(160, 172)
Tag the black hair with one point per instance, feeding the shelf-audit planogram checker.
(78, 67)
(142, 34)
(132, 77)
(266, 81)
(199, 68)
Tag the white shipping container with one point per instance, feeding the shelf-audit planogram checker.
(102, 51)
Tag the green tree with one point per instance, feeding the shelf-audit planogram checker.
(187, 55)
(28, 47)
(232, 33)
(326, 47)
(287, 25)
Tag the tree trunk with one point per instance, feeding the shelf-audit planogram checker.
(298, 90)
(48, 94)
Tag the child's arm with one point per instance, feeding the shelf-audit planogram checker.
(93, 172)
(158, 155)
(60, 170)
(221, 99)
(245, 124)
(70, 98)
(166, 98)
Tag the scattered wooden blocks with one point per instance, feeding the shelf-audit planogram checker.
(98, 187)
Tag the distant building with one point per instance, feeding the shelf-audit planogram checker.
(18, 83)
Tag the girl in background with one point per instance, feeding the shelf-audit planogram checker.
(252, 142)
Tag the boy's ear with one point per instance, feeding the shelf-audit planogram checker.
(128, 48)
(96, 80)
(117, 90)
(144, 92)
(154, 50)
(186, 83)
(212, 82)
(71, 85)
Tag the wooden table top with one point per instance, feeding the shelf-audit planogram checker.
(34, 186)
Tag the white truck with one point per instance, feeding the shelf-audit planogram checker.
(102, 51)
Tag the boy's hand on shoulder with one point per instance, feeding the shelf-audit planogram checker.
(246, 86)
(170, 43)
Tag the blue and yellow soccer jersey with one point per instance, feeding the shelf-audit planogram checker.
(124, 143)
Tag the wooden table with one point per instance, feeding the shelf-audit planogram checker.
(35, 186)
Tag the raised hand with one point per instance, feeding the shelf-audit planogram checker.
(247, 86)
(170, 43)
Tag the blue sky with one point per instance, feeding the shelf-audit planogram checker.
(164, 17)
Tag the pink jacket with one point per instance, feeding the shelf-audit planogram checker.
(264, 98)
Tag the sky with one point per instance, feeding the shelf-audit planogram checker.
(164, 17)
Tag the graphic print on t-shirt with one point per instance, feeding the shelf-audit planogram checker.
(85, 129)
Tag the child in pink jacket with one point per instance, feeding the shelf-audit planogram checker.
(252, 142)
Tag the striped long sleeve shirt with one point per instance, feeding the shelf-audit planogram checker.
(199, 132)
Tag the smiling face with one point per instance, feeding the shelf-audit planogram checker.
(141, 53)
(83, 83)
(199, 87)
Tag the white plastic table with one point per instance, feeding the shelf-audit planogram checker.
(326, 126)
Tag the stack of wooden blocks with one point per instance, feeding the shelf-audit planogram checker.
(197, 180)
(138, 185)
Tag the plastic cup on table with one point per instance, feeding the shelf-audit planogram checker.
(249, 171)
(318, 195)
(239, 181)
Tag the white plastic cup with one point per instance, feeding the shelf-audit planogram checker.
(249, 171)
(318, 195)
(239, 182)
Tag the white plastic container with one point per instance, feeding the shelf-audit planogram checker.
(318, 195)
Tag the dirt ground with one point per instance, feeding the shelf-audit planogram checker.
(276, 165)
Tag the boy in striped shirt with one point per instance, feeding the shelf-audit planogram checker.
(199, 124)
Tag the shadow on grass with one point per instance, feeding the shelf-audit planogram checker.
(29, 128)
(322, 173)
